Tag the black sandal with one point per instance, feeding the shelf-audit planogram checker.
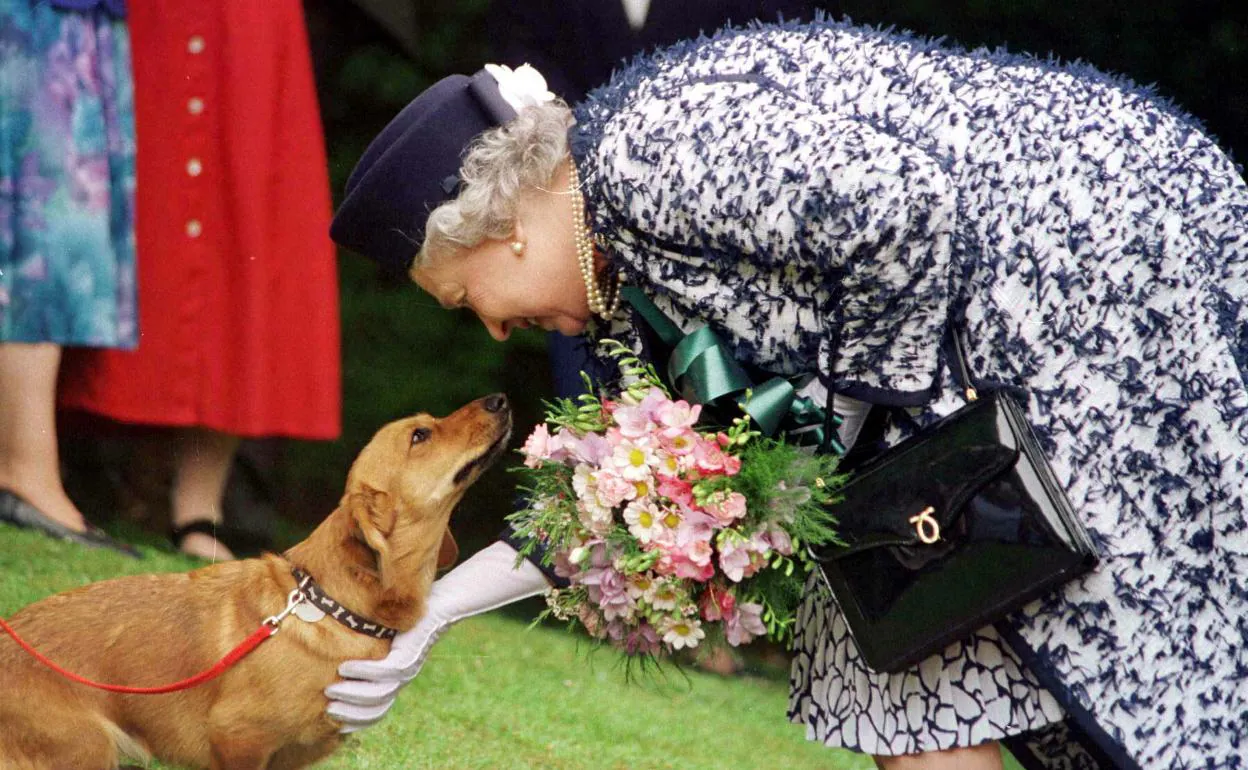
(237, 540)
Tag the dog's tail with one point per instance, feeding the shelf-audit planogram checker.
(129, 750)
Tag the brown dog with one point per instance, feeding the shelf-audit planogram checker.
(376, 555)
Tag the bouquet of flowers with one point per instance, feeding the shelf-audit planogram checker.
(666, 531)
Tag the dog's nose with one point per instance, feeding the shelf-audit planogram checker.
(495, 403)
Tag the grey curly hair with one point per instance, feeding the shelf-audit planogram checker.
(500, 163)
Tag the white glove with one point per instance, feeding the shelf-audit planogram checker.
(487, 581)
(852, 411)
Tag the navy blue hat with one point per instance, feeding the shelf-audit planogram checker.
(413, 166)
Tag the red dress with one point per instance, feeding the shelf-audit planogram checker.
(238, 288)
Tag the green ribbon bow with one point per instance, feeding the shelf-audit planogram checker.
(704, 372)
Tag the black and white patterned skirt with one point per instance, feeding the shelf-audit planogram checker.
(975, 691)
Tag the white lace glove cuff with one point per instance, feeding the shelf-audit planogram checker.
(487, 581)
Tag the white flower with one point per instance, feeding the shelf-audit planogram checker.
(664, 596)
(683, 632)
(644, 520)
(632, 459)
(522, 87)
(641, 586)
(595, 516)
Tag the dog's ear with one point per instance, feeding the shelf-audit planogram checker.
(448, 552)
(372, 518)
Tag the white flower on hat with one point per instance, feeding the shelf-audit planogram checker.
(522, 87)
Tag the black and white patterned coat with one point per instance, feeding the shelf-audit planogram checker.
(792, 185)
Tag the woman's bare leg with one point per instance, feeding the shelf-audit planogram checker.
(202, 465)
(984, 757)
(29, 460)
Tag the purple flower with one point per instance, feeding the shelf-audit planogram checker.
(643, 639)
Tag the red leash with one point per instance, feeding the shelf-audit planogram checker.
(266, 629)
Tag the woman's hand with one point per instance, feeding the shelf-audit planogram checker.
(487, 581)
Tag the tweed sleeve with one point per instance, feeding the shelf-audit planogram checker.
(735, 177)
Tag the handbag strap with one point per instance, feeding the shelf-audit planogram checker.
(963, 370)
(831, 432)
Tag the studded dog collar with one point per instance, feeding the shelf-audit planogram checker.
(317, 596)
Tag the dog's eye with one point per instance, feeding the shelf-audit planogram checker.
(420, 434)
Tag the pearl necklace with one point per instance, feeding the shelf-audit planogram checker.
(604, 306)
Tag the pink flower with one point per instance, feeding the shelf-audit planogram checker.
(677, 417)
(678, 441)
(537, 446)
(698, 552)
(654, 402)
(677, 490)
(678, 563)
(613, 490)
(632, 421)
(708, 457)
(779, 540)
(733, 561)
(608, 589)
(591, 448)
(717, 602)
(744, 623)
(726, 507)
(740, 558)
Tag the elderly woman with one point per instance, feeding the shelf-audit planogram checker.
(829, 199)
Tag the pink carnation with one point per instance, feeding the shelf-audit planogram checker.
(677, 490)
(537, 447)
(613, 490)
(678, 563)
(708, 457)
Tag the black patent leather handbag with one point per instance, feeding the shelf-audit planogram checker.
(949, 531)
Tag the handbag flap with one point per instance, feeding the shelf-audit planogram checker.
(920, 486)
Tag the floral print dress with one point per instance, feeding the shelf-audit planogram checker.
(67, 170)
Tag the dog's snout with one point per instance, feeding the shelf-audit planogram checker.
(495, 403)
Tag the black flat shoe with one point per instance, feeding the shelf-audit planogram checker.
(16, 511)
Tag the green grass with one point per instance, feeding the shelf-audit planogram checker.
(497, 694)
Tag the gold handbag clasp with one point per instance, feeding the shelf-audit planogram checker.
(926, 526)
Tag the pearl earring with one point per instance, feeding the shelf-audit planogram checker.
(517, 247)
